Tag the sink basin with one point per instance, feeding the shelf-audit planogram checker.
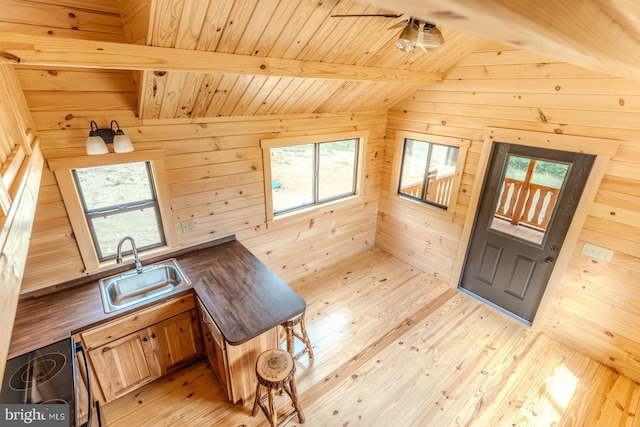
(131, 287)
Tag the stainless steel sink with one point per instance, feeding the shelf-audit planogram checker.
(133, 287)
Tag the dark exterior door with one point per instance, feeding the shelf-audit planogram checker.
(527, 204)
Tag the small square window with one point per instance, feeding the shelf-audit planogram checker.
(308, 174)
(428, 168)
(428, 171)
(119, 200)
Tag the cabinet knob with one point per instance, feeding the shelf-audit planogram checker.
(145, 339)
(204, 319)
(153, 336)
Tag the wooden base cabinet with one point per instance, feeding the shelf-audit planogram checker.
(215, 349)
(123, 360)
(122, 365)
(234, 365)
(174, 342)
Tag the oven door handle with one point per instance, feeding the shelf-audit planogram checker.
(80, 348)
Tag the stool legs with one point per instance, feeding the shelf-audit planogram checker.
(289, 328)
(254, 411)
(294, 397)
(272, 409)
(290, 343)
(305, 337)
(271, 413)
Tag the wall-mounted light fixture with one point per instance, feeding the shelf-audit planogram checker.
(99, 138)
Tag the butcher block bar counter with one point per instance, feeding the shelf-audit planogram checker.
(243, 297)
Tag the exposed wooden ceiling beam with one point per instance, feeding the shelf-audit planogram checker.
(64, 52)
(595, 34)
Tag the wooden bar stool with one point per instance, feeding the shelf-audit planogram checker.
(289, 327)
(275, 370)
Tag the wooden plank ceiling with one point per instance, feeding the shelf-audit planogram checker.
(596, 34)
(300, 43)
(277, 29)
(601, 35)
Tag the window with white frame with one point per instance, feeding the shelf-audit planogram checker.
(428, 168)
(120, 200)
(115, 195)
(309, 171)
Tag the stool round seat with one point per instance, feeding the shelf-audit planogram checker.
(274, 368)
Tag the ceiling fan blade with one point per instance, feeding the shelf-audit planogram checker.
(380, 15)
(399, 25)
(431, 36)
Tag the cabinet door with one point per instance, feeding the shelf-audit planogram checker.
(221, 367)
(121, 365)
(174, 342)
(207, 341)
(216, 354)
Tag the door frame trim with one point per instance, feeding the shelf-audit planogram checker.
(602, 148)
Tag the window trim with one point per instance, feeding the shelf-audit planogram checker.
(268, 144)
(118, 209)
(463, 146)
(63, 167)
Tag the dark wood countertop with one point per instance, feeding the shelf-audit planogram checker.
(242, 296)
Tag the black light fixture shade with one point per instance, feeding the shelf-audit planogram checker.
(99, 138)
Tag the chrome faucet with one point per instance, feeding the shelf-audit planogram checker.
(136, 258)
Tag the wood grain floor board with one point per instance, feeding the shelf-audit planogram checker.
(396, 347)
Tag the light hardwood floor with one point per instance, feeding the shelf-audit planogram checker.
(396, 347)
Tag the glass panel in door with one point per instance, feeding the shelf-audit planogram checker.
(527, 198)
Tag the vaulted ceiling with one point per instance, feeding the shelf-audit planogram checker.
(602, 35)
(303, 31)
(209, 58)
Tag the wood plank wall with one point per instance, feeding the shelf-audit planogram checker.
(65, 18)
(597, 308)
(228, 199)
(214, 172)
(20, 174)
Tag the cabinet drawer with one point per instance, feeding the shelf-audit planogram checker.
(215, 332)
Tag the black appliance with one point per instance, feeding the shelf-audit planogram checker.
(49, 375)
